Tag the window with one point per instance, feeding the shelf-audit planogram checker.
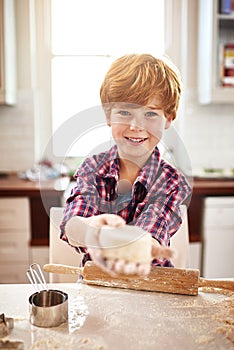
(86, 37)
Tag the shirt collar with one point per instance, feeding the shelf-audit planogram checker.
(109, 167)
(149, 171)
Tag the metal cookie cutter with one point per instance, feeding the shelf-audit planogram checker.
(6, 324)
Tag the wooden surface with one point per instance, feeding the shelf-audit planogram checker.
(214, 187)
(103, 318)
(202, 188)
(160, 279)
(12, 185)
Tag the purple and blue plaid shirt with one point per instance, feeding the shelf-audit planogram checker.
(153, 203)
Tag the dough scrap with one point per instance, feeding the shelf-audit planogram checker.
(129, 243)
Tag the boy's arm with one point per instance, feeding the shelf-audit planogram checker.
(80, 230)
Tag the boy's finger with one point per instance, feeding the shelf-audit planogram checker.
(162, 252)
(114, 220)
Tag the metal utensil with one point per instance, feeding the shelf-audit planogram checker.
(36, 277)
(47, 307)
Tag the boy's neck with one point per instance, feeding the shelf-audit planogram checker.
(128, 170)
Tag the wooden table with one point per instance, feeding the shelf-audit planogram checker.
(103, 318)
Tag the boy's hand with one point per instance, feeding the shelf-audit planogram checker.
(115, 246)
(93, 234)
(128, 250)
(159, 251)
(117, 266)
(106, 219)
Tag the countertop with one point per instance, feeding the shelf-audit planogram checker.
(104, 318)
(213, 186)
(12, 183)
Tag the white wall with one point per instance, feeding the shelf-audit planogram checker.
(209, 135)
(17, 122)
(25, 129)
(208, 130)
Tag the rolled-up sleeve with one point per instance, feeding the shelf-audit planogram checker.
(83, 201)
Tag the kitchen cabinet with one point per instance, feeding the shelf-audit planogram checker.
(202, 189)
(218, 237)
(24, 224)
(41, 198)
(14, 239)
(7, 53)
(215, 31)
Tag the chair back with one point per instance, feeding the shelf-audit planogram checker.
(180, 242)
(59, 251)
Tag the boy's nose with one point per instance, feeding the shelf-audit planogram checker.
(136, 124)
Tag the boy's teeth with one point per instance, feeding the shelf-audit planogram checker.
(135, 140)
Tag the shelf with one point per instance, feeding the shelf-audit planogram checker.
(218, 30)
(226, 17)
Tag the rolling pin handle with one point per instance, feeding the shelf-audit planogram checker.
(63, 269)
(222, 284)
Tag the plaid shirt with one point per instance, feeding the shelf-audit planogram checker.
(153, 204)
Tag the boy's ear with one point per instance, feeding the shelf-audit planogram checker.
(107, 112)
(168, 122)
(108, 120)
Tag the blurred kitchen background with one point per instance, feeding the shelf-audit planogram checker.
(53, 56)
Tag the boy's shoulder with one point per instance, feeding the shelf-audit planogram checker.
(172, 174)
(96, 163)
(169, 168)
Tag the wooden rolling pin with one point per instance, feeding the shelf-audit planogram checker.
(160, 279)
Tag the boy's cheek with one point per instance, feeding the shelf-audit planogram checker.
(157, 132)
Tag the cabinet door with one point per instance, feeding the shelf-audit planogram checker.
(14, 239)
(218, 258)
(14, 246)
(14, 214)
(13, 272)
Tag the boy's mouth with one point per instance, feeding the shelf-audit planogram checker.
(136, 140)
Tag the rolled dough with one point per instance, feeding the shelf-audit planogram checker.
(129, 243)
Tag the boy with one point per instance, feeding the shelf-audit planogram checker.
(130, 184)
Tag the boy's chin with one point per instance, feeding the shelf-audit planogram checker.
(140, 153)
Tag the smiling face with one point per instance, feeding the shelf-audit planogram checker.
(137, 129)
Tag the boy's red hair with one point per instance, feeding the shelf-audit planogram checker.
(137, 78)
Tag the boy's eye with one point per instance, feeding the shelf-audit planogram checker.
(151, 114)
(124, 113)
